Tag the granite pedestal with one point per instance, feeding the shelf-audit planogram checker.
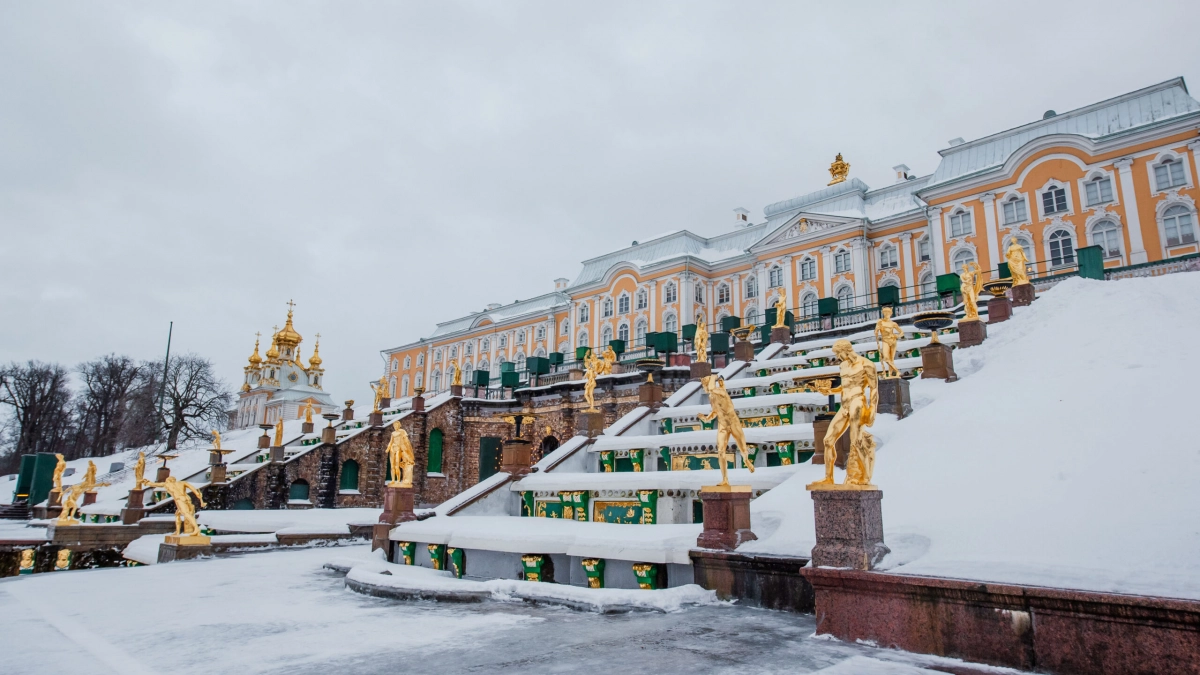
(385, 402)
(726, 517)
(781, 335)
(456, 390)
(894, 397)
(329, 435)
(347, 414)
(277, 454)
(999, 309)
(743, 351)
(849, 528)
(397, 508)
(89, 498)
(971, 333)
(135, 507)
(590, 424)
(217, 473)
(418, 404)
(820, 426)
(650, 395)
(516, 457)
(306, 427)
(161, 474)
(264, 442)
(1023, 295)
(937, 362)
(375, 419)
(700, 369)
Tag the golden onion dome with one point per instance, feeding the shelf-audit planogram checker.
(314, 361)
(288, 337)
(255, 359)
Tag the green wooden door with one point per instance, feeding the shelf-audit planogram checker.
(489, 456)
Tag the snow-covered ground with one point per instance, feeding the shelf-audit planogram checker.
(1066, 455)
(280, 612)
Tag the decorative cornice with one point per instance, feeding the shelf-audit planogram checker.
(1123, 164)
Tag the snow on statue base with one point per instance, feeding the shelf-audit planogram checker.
(849, 527)
(971, 333)
(726, 517)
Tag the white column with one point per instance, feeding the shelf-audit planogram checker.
(1132, 219)
(826, 271)
(937, 238)
(906, 259)
(735, 289)
(788, 291)
(594, 331)
(652, 324)
(761, 272)
(687, 299)
(993, 235)
(710, 302)
(862, 270)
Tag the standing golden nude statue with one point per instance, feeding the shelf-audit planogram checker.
(1018, 264)
(59, 467)
(279, 433)
(887, 334)
(701, 340)
(400, 454)
(839, 170)
(605, 364)
(308, 411)
(972, 284)
(216, 439)
(457, 379)
(70, 500)
(185, 511)
(589, 381)
(728, 423)
(857, 411)
(780, 311)
(139, 472)
(380, 392)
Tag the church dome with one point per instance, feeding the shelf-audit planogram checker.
(255, 359)
(314, 361)
(288, 337)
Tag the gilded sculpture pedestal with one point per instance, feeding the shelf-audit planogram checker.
(590, 424)
(700, 369)
(516, 457)
(135, 507)
(971, 333)
(277, 454)
(397, 508)
(306, 427)
(999, 309)
(937, 362)
(375, 419)
(650, 395)
(726, 517)
(849, 528)
(1023, 295)
(456, 390)
(781, 335)
(893, 398)
(743, 350)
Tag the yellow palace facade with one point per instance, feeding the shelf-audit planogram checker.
(1119, 174)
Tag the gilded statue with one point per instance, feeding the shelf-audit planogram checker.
(701, 340)
(26, 559)
(728, 423)
(185, 511)
(457, 379)
(839, 170)
(63, 560)
(606, 363)
(139, 472)
(279, 433)
(59, 467)
(972, 284)
(216, 439)
(308, 411)
(400, 454)
(857, 412)
(70, 500)
(780, 311)
(589, 381)
(887, 334)
(1018, 264)
(380, 392)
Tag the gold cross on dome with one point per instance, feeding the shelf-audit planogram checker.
(318, 336)
(257, 335)
(291, 305)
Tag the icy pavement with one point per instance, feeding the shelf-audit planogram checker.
(281, 612)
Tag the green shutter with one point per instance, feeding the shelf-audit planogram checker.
(434, 465)
(349, 480)
(298, 490)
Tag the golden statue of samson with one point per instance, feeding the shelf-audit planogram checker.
(856, 413)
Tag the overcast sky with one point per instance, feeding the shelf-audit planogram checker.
(392, 165)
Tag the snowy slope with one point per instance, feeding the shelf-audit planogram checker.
(1067, 454)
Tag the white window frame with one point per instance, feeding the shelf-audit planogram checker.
(1014, 198)
(623, 332)
(842, 261)
(698, 294)
(837, 293)
(808, 303)
(960, 214)
(723, 294)
(775, 277)
(1162, 223)
(1119, 234)
(1041, 205)
(889, 257)
(1162, 158)
(642, 299)
(805, 263)
(924, 249)
(1049, 236)
(584, 311)
(750, 287)
(623, 303)
(668, 320)
(606, 335)
(670, 293)
(956, 266)
(1094, 178)
(606, 308)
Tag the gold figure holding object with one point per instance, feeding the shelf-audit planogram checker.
(606, 363)
(139, 472)
(839, 170)
(728, 423)
(216, 439)
(1018, 264)
(701, 340)
(59, 467)
(972, 284)
(857, 411)
(780, 311)
(589, 382)
(400, 453)
(279, 433)
(308, 411)
(887, 334)
(70, 500)
(380, 391)
(185, 511)
(457, 379)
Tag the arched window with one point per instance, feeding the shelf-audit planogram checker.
(808, 304)
(928, 286)
(960, 223)
(623, 333)
(641, 299)
(454, 352)
(623, 304)
(1107, 236)
(722, 294)
(503, 341)
(1168, 174)
(420, 380)
(583, 340)
(437, 380)
(566, 327)
(1015, 210)
(808, 269)
(669, 293)
(349, 478)
(467, 367)
(888, 258)
(841, 261)
(583, 313)
(404, 386)
(487, 345)
(775, 277)
(541, 333)
(670, 324)
(420, 359)
(890, 283)
(751, 286)
(698, 293)
(751, 315)
(1179, 225)
(961, 258)
(606, 335)
(845, 297)
(391, 387)
(520, 362)
(1099, 190)
(540, 352)
(500, 362)
(407, 362)
(434, 462)
(1054, 200)
(640, 334)
(298, 491)
(1062, 249)
(484, 365)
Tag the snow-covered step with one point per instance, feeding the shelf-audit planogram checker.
(703, 439)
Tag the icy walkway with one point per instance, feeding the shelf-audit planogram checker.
(282, 613)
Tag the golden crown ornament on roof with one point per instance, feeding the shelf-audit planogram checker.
(839, 170)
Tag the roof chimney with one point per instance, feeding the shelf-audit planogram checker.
(560, 284)
(901, 172)
(956, 141)
(741, 217)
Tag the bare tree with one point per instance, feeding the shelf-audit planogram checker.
(41, 407)
(194, 399)
(109, 384)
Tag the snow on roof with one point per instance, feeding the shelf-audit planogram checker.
(1144, 107)
(679, 244)
(541, 303)
(825, 194)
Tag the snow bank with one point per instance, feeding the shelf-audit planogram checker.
(144, 549)
(1065, 456)
(299, 521)
(413, 582)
